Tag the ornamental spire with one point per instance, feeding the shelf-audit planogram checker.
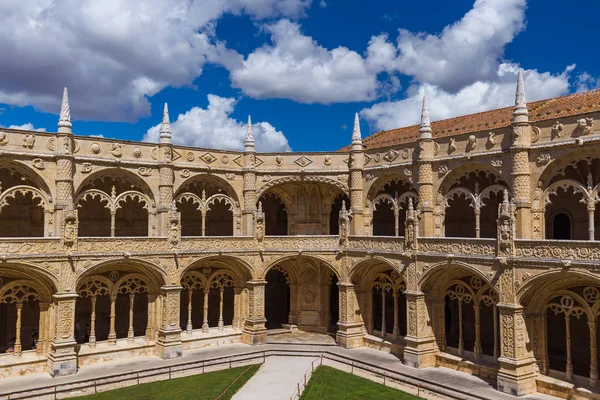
(520, 114)
(64, 122)
(505, 207)
(425, 128)
(165, 128)
(356, 136)
(249, 144)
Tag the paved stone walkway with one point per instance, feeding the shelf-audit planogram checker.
(276, 379)
(300, 337)
(443, 377)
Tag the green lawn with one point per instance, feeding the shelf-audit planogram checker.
(332, 384)
(197, 387)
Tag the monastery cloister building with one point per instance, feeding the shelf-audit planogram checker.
(468, 243)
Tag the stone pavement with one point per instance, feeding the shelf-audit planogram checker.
(276, 379)
(449, 379)
(300, 337)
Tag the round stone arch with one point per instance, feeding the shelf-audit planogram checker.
(117, 173)
(241, 270)
(301, 179)
(534, 291)
(433, 279)
(297, 257)
(43, 276)
(561, 160)
(464, 169)
(41, 182)
(157, 275)
(364, 268)
(213, 179)
(383, 180)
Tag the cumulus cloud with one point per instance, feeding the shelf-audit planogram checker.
(468, 50)
(296, 67)
(476, 97)
(26, 127)
(214, 128)
(113, 55)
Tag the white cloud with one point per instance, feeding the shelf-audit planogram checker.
(585, 81)
(26, 127)
(464, 52)
(114, 54)
(296, 67)
(214, 128)
(476, 97)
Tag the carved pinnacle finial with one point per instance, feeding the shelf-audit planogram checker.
(249, 137)
(505, 208)
(520, 114)
(356, 135)
(425, 128)
(165, 128)
(260, 207)
(64, 122)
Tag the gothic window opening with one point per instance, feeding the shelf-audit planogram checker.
(389, 205)
(276, 216)
(388, 314)
(19, 317)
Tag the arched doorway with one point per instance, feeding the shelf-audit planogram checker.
(277, 298)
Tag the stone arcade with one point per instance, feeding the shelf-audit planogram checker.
(468, 243)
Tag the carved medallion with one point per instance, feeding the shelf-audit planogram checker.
(208, 158)
(391, 155)
(38, 163)
(95, 148)
(145, 171)
(303, 161)
(137, 152)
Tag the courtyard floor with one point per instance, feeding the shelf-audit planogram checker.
(441, 377)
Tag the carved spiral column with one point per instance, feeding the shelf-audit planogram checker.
(396, 327)
(477, 331)
(254, 326)
(93, 323)
(220, 323)
(425, 187)
(591, 209)
(356, 165)
(189, 327)
(62, 359)
(420, 347)
(169, 334)
(205, 314)
(64, 178)
(112, 334)
(351, 328)
(165, 192)
(521, 175)
(249, 190)
(593, 354)
(18, 348)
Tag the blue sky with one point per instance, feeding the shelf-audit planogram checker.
(301, 68)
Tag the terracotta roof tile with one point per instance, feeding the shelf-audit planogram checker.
(559, 107)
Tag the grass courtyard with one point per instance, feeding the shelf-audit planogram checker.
(332, 384)
(198, 387)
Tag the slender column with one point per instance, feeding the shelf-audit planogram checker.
(205, 320)
(151, 327)
(476, 308)
(396, 327)
(496, 350)
(396, 218)
(93, 323)
(112, 223)
(189, 327)
(371, 324)
(546, 360)
(203, 222)
(220, 325)
(112, 334)
(477, 222)
(591, 208)
(461, 345)
(18, 348)
(383, 313)
(569, 369)
(130, 330)
(593, 354)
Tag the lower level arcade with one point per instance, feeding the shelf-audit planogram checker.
(119, 308)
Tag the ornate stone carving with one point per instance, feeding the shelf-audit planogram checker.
(230, 176)
(208, 158)
(410, 234)
(38, 163)
(185, 173)
(557, 128)
(344, 224)
(327, 160)
(391, 155)
(259, 224)
(536, 133)
(452, 146)
(497, 162)
(86, 168)
(442, 170)
(174, 226)
(3, 138)
(491, 140)
(116, 149)
(279, 161)
(136, 152)
(145, 171)
(405, 153)
(471, 143)
(303, 161)
(543, 159)
(95, 148)
(28, 141)
(585, 126)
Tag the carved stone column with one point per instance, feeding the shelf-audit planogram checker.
(237, 307)
(516, 375)
(62, 359)
(356, 182)
(351, 328)
(425, 181)
(520, 163)
(169, 334)
(420, 347)
(255, 331)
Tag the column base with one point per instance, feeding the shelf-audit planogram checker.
(517, 379)
(62, 359)
(168, 345)
(420, 352)
(254, 332)
(350, 336)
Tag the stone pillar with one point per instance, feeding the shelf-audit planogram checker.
(521, 142)
(356, 183)
(237, 307)
(420, 347)
(351, 328)
(249, 182)
(165, 188)
(255, 331)
(62, 359)
(169, 334)
(516, 375)
(425, 181)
